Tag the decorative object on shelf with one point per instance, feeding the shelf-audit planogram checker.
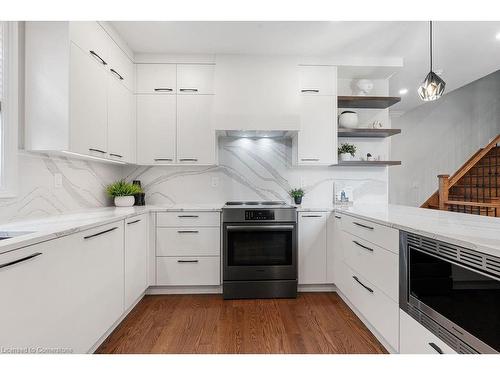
(346, 151)
(363, 87)
(348, 119)
(123, 193)
(369, 157)
(377, 125)
(297, 195)
(433, 86)
(140, 198)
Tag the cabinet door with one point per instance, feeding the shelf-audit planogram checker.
(318, 80)
(317, 139)
(156, 79)
(136, 257)
(88, 104)
(312, 248)
(156, 129)
(120, 65)
(195, 134)
(195, 79)
(121, 124)
(91, 38)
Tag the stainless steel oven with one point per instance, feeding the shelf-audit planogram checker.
(453, 291)
(259, 250)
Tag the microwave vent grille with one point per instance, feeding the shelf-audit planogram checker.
(455, 343)
(488, 264)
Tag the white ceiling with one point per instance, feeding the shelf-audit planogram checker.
(465, 51)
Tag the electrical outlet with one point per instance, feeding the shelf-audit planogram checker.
(58, 180)
(215, 182)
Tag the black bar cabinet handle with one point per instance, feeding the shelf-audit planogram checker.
(100, 233)
(97, 150)
(191, 216)
(189, 90)
(117, 74)
(187, 261)
(34, 255)
(338, 217)
(309, 90)
(163, 159)
(161, 89)
(188, 159)
(93, 53)
(436, 348)
(363, 225)
(188, 231)
(311, 215)
(133, 222)
(363, 246)
(363, 285)
(116, 155)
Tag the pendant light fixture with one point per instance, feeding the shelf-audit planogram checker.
(433, 86)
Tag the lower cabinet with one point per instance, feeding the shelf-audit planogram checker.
(65, 293)
(312, 247)
(188, 271)
(416, 339)
(136, 258)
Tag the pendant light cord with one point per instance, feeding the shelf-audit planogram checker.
(430, 38)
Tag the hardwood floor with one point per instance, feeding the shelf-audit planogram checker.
(312, 323)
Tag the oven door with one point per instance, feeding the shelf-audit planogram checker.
(260, 251)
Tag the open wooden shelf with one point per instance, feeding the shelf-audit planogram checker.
(376, 102)
(364, 163)
(367, 132)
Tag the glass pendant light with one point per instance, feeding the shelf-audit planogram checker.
(433, 86)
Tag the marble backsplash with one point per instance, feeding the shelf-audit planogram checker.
(249, 169)
(256, 169)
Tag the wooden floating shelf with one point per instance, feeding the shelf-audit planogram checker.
(376, 102)
(367, 132)
(364, 163)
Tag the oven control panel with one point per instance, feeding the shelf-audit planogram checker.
(259, 215)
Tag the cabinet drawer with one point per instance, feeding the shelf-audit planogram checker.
(187, 241)
(156, 79)
(188, 219)
(377, 265)
(318, 80)
(380, 235)
(376, 307)
(188, 270)
(416, 339)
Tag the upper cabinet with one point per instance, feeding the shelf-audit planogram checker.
(195, 79)
(175, 114)
(79, 91)
(316, 142)
(156, 79)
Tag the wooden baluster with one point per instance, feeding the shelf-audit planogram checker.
(444, 184)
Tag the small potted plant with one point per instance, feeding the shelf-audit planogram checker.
(297, 195)
(346, 151)
(123, 193)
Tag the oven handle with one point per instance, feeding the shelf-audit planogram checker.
(251, 228)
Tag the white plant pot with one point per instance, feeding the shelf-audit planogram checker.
(345, 157)
(348, 120)
(127, 201)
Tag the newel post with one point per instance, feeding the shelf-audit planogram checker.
(444, 185)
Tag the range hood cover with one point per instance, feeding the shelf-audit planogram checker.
(259, 133)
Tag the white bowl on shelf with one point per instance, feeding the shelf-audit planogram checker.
(348, 120)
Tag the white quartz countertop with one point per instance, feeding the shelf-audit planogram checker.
(480, 233)
(51, 227)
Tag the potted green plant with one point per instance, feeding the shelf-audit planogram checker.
(123, 193)
(346, 151)
(297, 195)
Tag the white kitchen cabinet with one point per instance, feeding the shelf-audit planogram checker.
(195, 79)
(135, 258)
(318, 80)
(66, 293)
(334, 256)
(156, 129)
(312, 248)
(69, 96)
(188, 219)
(121, 122)
(156, 79)
(195, 134)
(316, 142)
(416, 339)
(188, 271)
(188, 241)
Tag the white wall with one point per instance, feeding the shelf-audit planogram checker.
(438, 137)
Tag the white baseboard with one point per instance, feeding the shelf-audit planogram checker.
(210, 289)
(317, 288)
(120, 319)
(368, 325)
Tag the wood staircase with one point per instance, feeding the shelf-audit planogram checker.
(474, 188)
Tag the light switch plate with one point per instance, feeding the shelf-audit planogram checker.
(214, 182)
(58, 180)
